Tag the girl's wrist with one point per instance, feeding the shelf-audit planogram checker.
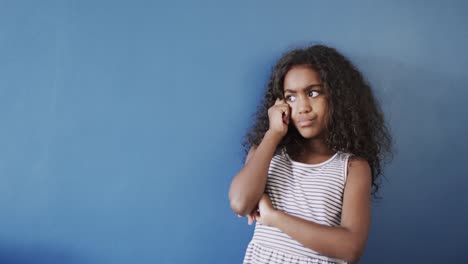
(273, 135)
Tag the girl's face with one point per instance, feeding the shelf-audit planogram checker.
(305, 94)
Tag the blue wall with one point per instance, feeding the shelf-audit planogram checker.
(122, 122)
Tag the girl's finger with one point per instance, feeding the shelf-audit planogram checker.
(285, 108)
(286, 119)
(284, 112)
(279, 101)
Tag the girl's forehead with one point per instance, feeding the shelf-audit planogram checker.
(300, 77)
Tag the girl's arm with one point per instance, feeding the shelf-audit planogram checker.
(347, 241)
(249, 184)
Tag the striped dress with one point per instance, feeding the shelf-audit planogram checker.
(311, 191)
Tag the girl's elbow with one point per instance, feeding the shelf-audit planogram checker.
(238, 207)
(241, 205)
(353, 258)
(354, 254)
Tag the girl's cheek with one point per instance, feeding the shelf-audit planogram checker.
(292, 114)
(293, 111)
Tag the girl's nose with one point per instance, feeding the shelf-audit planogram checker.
(304, 106)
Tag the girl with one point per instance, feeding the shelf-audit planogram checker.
(315, 153)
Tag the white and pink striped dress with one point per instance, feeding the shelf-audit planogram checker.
(310, 191)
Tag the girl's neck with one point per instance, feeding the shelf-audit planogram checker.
(314, 151)
(317, 147)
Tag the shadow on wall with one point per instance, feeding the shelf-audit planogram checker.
(428, 119)
(424, 186)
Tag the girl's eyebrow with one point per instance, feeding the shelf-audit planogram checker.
(306, 88)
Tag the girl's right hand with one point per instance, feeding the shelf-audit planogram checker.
(251, 216)
(278, 115)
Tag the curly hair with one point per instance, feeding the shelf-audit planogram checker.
(355, 123)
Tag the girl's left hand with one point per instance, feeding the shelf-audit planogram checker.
(265, 211)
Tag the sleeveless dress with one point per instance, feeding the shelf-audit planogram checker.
(311, 191)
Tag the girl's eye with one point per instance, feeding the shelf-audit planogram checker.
(290, 98)
(314, 93)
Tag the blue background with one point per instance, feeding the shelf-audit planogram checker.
(122, 122)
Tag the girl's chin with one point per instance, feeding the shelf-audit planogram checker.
(308, 133)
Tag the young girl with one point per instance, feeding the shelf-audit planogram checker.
(315, 153)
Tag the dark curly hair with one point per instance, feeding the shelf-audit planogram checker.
(355, 122)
